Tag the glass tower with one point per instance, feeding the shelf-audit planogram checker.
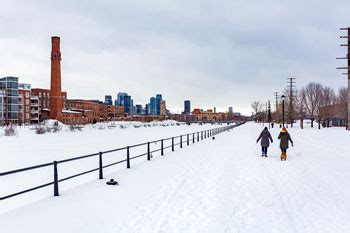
(9, 100)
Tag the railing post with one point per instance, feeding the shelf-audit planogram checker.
(205, 134)
(127, 157)
(162, 149)
(201, 135)
(172, 144)
(55, 179)
(148, 151)
(100, 167)
(193, 138)
(180, 141)
(188, 139)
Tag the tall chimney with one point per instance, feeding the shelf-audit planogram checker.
(56, 99)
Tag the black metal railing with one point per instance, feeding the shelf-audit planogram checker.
(183, 139)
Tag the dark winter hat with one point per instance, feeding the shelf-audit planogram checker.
(265, 128)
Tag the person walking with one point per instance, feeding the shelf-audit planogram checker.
(284, 143)
(265, 137)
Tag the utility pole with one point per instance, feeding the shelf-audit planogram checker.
(291, 83)
(269, 113)
(276, 96)
(347, 73)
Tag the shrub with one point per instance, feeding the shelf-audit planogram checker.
(71, 128)
(56, 127)
(40, 130)
(10, 131)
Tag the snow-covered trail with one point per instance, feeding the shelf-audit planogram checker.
(220, 185)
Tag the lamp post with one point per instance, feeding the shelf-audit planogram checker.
(283, 97)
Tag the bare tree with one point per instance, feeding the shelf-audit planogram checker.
(328, 98)
(300, 106)
(342, 99)
(342, 95)
(313, 95)
(257, 108)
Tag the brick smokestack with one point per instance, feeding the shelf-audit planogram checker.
(56, 98)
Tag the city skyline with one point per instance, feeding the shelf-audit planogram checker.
(216, 55)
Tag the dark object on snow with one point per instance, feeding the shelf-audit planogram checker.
(213, 138)
(112, 182)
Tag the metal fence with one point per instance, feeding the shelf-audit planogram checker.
(185, 139)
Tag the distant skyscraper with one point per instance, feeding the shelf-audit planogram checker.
(120, 98)
(187, 109)
(230, 110)
(155, 105)
(128, 104)
(163, 108)
(152, 110)
(108, 100)
(147, 111)
(158, 103)
(123, 99)
(138, 109)
(230, 113)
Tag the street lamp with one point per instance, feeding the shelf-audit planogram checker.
(283, 97)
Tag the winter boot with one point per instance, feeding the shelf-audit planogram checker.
(283, 156)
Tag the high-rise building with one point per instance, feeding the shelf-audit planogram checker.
(230, 113)
(187, 109)
(163, 111)
(158, 103)
(120, 98)
(108, 100)
(123, 99)
(138, 109)
(128, 104)
(9, 100)
(56, 99)
(147, 111)
(152, 110)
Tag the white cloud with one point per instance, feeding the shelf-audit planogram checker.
(216, 53)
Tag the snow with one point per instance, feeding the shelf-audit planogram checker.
(220, 185)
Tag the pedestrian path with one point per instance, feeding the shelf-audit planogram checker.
(221, 185)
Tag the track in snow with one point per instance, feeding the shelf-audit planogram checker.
(220, 185)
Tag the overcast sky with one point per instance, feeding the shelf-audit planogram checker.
(215, 53)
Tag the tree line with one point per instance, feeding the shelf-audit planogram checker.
(314, 102)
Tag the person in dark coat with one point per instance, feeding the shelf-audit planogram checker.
(284, 142)
(265, 137)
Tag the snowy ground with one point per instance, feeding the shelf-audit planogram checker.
(220, 185)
